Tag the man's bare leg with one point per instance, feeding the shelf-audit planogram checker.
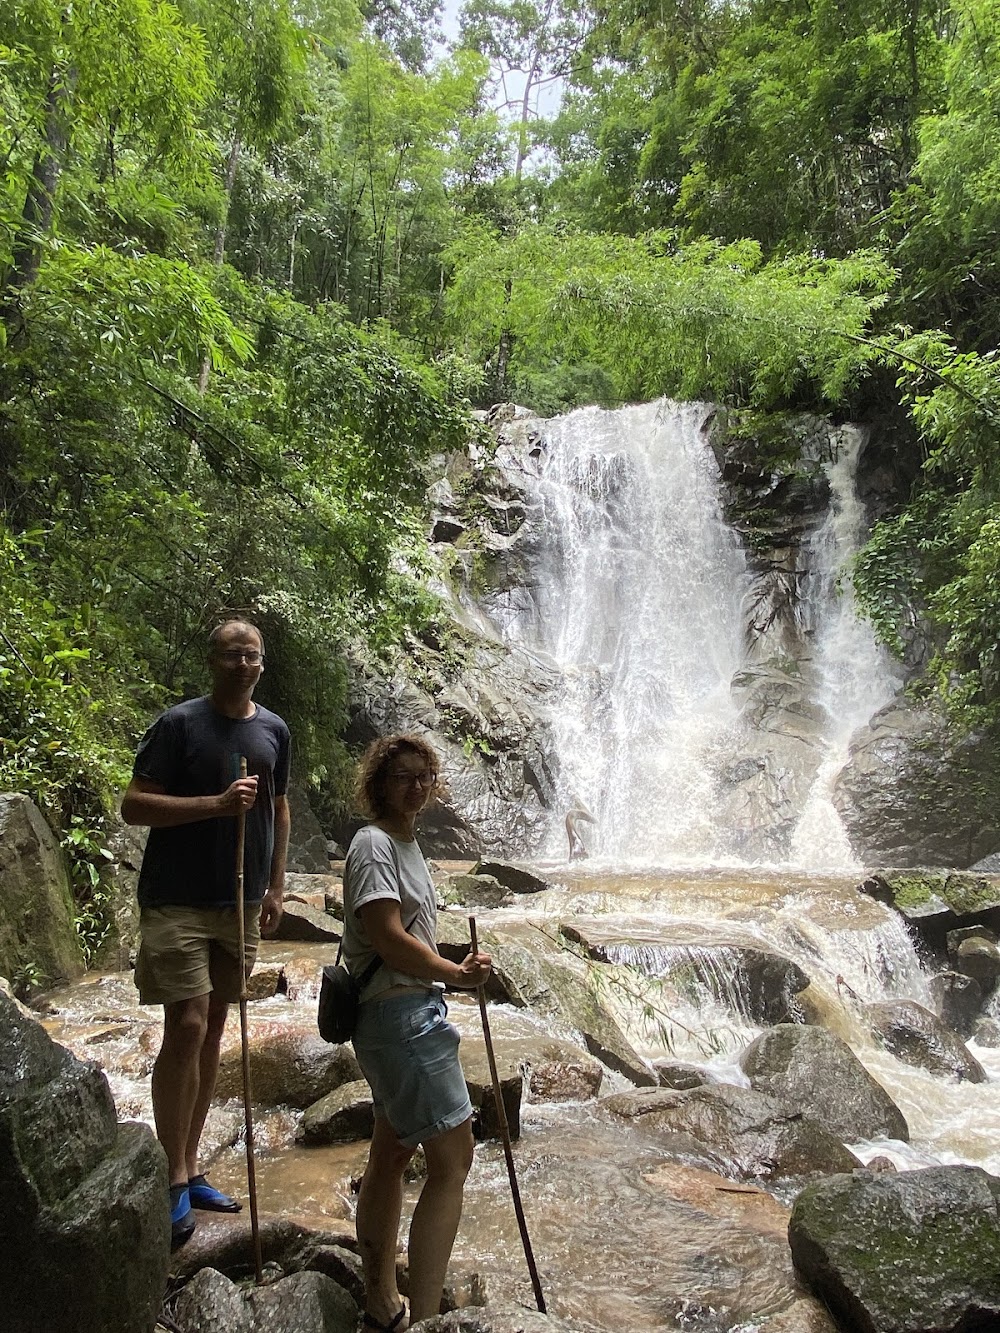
(436, 1217)
(176, 1076)
(380, 1203)
(208, 1072)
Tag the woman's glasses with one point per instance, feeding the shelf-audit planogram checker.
(425, 779)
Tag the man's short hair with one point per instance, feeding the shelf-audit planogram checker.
(216, 634)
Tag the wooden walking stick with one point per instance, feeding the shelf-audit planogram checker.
(505, 1133)
(241, 830)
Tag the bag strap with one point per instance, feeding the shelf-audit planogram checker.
(376, 962)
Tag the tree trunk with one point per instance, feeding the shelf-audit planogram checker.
(39, 204)
(219, 253)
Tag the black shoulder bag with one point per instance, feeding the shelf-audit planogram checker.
(339, 994)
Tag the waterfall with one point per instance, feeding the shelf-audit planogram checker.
(638, 598)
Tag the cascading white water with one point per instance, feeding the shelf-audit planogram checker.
(855, 676)
(640, 607)
(639, 601)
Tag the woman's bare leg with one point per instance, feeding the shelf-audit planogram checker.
(379, 1204)
(436, 1217)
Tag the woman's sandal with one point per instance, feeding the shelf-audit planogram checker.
(369, 1321)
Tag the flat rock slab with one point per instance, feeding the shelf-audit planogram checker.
(517, 878)
(224, 1241)
(300, 922)
(754, 982)
(914, 1252)
(743, 1133)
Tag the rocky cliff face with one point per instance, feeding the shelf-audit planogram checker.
(909, 793)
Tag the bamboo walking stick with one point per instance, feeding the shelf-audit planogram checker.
(505, 1133)
(241, 829)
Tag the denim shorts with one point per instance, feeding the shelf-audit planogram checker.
(408, 1052)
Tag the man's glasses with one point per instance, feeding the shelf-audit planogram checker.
(414, 779)
(232, 658)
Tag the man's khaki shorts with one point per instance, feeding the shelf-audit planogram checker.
(190, 951)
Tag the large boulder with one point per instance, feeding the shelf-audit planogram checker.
(287, 1067)
(307, 853)
(810, 1068)
(79, 1192)
(342, 1116)
(743, 1133)
(914, 1252)
(38, 940)
(915, 792)
(917, 1037)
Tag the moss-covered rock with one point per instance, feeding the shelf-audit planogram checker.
(903, 1253)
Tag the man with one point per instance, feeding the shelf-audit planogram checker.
(187, 789)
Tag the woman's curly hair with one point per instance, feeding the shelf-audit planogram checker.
(370, 787)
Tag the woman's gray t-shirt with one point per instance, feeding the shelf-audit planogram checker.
(381, 866)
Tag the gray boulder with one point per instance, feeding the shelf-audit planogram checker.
(917, 1037)
(481, 891)
(38, 939)
(958, 1000)
(914, 1252)
(742, 1133)
(813, 1070)
(79, 1191)
(342, 1116)
(303, 1303)
(286, 1068)
(915, 792)
(976, 955)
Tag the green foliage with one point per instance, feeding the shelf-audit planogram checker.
(655, 317)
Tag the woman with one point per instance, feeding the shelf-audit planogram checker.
(407, 1049)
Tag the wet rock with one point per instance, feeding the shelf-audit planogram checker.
(37, 934)
(916, 792)
(303, 1303)
(680, 1076)
(555, 988)
(79, 1192)
(905, 1253)
(744, 1133)
(265, 981)
(976, 956)
(314, 888)
(300, 922)
(813, 1070)
(483, 891)
(307, 852)
(934, 902)
(758, 985)
(287, 1068)
(917, 1037)
(485, 1116)
(224, 1241)
(517, 878)
(987, 1032)
(342, 1116)
(958, 1000)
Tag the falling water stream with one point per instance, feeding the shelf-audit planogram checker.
(640, 599)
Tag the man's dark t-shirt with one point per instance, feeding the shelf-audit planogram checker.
(194, 750)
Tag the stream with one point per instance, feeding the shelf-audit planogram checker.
(624, 1232)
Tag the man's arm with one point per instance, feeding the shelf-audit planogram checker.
(148, 803)
(271, 908)
(405, 953)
